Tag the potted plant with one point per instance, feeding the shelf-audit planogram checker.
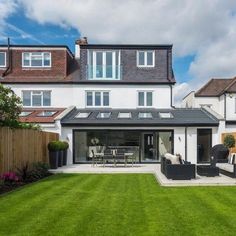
(60, 154)
(53, 148)
(65, 148)
(229, 141)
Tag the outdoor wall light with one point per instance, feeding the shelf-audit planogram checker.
(179, 139)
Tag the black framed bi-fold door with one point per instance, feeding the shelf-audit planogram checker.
(204, 144)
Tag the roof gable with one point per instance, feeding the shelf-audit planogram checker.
(216, 87)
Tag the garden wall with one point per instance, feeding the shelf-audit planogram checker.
(223, 136)
(19, 146)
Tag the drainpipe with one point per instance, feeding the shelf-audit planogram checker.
(225, 106)
(8, 58)
(186, 142)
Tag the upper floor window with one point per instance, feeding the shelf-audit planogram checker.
(103, 65)
(2, 59)
(36, 98)
(97, 98)
(145, 58)
(145, 98)
(36, 59)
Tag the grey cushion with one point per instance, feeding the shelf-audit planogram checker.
(226, 166)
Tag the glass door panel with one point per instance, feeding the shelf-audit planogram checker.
(204, 143)
(109, 67)
(165, 143)
(148, 147)
(99, 64)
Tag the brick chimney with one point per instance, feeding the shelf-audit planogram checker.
(78, 42)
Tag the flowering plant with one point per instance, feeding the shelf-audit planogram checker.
(95, 141)
(10, 177)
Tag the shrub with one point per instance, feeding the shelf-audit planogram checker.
(30, 173)
(61, 145)
(54, 146)
(65, 145)
(229, 141)
(10, 178)
(40, 170)
(24, 172)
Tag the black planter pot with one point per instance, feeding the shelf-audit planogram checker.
(60, 158)
(53, 159)
(65, 157)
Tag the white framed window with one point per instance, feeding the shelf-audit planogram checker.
(97, 98)
(46, 113)
(83, 115)
(122, 115)
(145, 98)
(166, 115)
(103, 64)
(145, 58)
(36, 98)
(104, 115)
(36, 59)
(145, 115)
(25, 113)
(3, 59)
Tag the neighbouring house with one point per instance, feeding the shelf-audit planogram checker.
(108, 95)
(218, 95)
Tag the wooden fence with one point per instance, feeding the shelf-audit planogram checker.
(19, 146)
(223, 136)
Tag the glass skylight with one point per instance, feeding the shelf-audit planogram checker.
(104, 115)
(83, 115)
(46, 113)
(25, 113)
(165, 115)
(124, 115)
(144, 115)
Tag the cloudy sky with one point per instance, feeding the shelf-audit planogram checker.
(203, 32)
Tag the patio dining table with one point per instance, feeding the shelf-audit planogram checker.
(127, 156)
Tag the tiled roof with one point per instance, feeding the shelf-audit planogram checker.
(216, 87)
(179, 117)
(34, 117)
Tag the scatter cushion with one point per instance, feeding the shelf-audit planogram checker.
(174, 159)
(226, 167)
(232, 158)
(181, 160)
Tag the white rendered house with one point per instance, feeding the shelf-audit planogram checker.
(120, 95)
(220, 96)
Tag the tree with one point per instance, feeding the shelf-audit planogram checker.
(10, 106)
(229, 141)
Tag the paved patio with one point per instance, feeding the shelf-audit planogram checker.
(221, 180)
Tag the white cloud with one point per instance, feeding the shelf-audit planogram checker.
(7, 7)
(205, 28)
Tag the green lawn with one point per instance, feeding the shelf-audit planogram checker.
(121, 204)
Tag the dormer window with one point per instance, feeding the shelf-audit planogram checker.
(103, 65)
(2, 59)
(36, 59)
(145, 58)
